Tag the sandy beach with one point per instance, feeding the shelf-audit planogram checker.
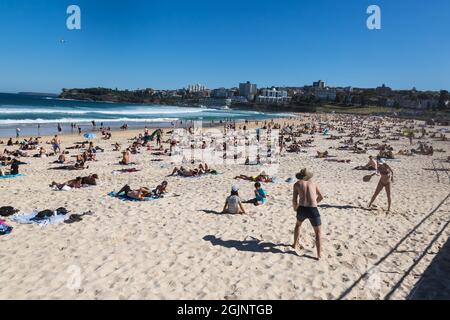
(182, 247)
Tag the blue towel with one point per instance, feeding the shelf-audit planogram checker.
(5, 229)
(125, 198)
(12, 176)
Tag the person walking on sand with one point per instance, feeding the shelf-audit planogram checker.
(306, 198)
(386, 180)
(17, 133)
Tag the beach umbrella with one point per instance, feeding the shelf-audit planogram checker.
(89, 136)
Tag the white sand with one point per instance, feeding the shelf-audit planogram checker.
(172, 249)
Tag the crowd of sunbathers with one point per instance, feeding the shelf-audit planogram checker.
(196, 172)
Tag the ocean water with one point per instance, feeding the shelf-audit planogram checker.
(30, 112)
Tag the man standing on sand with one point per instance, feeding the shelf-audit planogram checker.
(56, 143)
(306, 198)
(17, 133)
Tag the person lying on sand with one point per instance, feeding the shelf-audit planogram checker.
(306, 198)
(73, 184)
(262, 177)
(183, 172)
(79, 165)
(338, 161)
(372, 165)
(233, 204)
(138, 194)
(77, 183)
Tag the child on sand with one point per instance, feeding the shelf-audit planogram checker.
(233, 204)
(260, 195)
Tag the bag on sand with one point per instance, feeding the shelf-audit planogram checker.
(7, 211)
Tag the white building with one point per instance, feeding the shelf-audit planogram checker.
(196, 88)
(273, 96)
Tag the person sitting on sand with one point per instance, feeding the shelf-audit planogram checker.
(79, 165)
(306, 198)
(42, 153)
(14, 169)
(125, 158)
(386, 180)
(117, 147)
(205, 169)
(233, 204)
(260, 195)
(372, 165)
(61, 159)
(160, 190)
(138, 194)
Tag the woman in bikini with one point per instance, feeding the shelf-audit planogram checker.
(386, 180)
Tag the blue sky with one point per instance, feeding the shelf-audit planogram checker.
(172, 43)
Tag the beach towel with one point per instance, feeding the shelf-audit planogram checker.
(4, 228)
(12, 176)
(28, 219)
(126, 198)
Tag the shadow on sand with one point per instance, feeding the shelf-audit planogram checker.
(253, 245)
(340, 207)
(435, 281)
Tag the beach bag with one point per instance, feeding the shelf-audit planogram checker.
(42, 215)
(7, 211)
(4, 228)
(61, 211)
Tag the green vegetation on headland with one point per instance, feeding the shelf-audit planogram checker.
(298, 104)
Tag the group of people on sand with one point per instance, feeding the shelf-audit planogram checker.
(234, 205)
(203, 169)
(142, 193)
